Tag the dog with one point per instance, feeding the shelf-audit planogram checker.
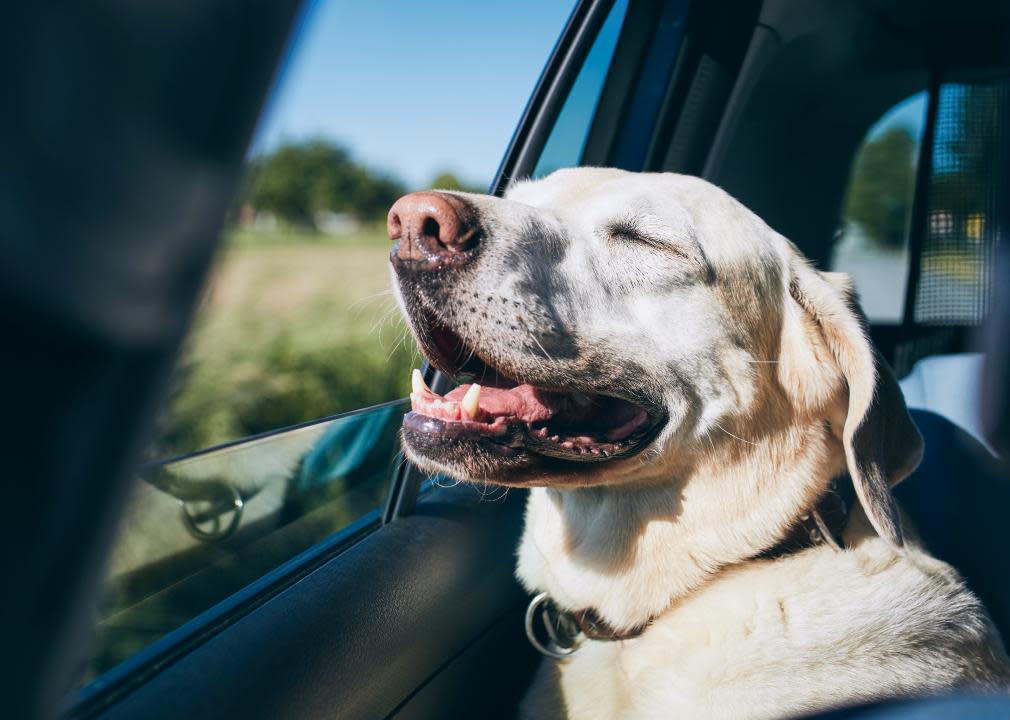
(682, 392)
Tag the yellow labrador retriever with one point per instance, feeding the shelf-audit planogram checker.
(683, 395)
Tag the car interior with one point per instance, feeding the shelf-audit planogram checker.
(407, 606)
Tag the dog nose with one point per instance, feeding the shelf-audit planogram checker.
(432, 228)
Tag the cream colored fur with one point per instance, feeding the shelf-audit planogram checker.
(670, 538)
(769, 389)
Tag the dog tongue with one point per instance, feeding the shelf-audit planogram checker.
(485, 404)
(523, 402)
(615, 419)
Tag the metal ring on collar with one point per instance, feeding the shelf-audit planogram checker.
(552, 649)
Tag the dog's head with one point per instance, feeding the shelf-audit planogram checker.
(623, 327)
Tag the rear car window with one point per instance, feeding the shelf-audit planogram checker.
(872, 238)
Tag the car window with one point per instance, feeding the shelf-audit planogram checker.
(280, 434)
(871, 243)
(964, 192)
(567, 140)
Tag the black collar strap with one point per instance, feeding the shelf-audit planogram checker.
(824, 524)
(565, 629)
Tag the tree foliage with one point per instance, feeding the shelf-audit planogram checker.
(880, 192)
(297, 181)
(447, 180)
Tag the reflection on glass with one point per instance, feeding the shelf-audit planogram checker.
(568, 136)
(204, 526)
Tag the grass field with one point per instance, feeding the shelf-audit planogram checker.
(292, 326)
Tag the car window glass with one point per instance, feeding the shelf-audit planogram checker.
(298, 321)
(965, 190)
(567, 139)
(872, 238)
(205, 526)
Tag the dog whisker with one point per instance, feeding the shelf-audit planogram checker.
(382, 295)
(546, 354)
(737, 437)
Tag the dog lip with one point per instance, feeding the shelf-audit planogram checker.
(506, 442)
(432, 262)
(513, 438)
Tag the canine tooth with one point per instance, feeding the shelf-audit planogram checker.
(555, 438)
(471, 401)
(417, 382)
(568, 445)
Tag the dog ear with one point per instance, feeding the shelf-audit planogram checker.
(882, 444)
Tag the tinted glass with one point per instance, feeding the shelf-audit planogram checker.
(643, 111)
(966, 187)
(567, 140)
(202, 527)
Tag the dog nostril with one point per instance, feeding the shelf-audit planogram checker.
(430, 228)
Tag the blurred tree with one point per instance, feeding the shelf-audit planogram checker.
(880, 192)
(297, 181)
(447, 180)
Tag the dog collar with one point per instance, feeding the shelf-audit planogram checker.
(565, 630)
(824, 524)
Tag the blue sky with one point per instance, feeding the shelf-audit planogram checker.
(413, 87)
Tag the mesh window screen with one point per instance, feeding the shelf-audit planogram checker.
(965, 190)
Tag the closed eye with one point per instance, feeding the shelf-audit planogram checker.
(628, 231)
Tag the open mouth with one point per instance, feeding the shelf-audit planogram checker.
(509, 419)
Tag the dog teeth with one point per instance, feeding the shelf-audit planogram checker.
(471, 401)
(417, 382)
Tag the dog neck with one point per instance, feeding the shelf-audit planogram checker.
(630, 551)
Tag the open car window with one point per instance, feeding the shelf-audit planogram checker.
(280, 438)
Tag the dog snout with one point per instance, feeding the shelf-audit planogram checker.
(432, 230)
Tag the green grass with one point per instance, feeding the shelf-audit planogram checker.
(293, 326)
